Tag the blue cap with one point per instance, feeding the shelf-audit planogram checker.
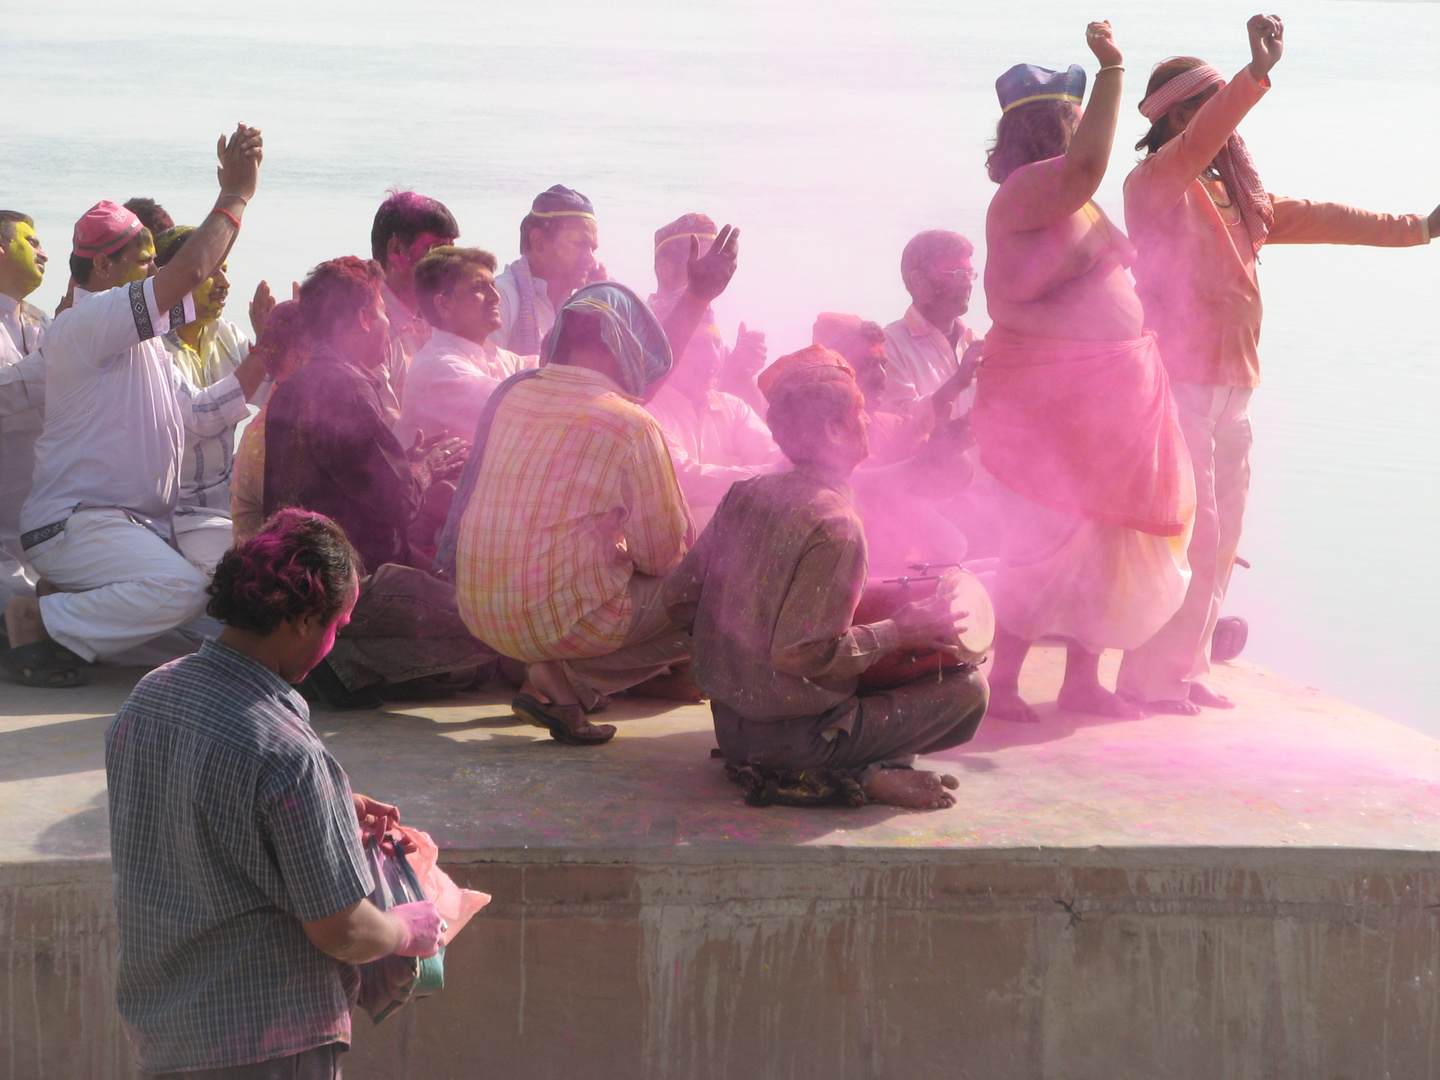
(1025, 83)
(560, 201)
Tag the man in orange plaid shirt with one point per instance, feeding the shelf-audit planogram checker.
(571, 516)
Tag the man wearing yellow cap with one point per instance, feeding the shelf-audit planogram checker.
(770, 591)
(558, 238)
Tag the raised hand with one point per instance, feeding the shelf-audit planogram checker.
(1101, 40)
(240, 157)
(749, 355)
(707, 275)
(1267, 42)
(261, 307)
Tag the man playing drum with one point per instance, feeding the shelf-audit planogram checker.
(770, 590)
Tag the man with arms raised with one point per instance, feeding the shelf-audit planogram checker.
(22, 269)
(406, 227)
(1199, 215)
(329, 449)
(97, 524)
(558, 239)
(455, 372)
(1072, 414)
(569, 515)
(770, 590)
(240, 883)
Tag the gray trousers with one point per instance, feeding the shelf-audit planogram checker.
(405, 625)
(653, 642)
(885, 729)
(321, 1063)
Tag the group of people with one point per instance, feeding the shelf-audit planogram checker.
(459, 472)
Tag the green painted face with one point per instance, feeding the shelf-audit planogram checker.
(24, 259)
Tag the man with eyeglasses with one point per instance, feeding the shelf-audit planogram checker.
(925, 347)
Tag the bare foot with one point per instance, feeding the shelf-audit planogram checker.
(1008, 705)
(1168, 708)
(672, 685)
(914, 789)
(1095, 700)
(1200, 694)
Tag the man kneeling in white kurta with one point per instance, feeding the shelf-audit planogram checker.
(97, 524)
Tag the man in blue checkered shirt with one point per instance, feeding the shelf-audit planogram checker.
(240, 882)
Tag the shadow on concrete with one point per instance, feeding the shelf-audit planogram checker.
(86, 832)
(57, 748)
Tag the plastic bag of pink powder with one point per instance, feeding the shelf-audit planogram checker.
(456, 905)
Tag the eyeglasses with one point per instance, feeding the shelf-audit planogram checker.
(957, 275)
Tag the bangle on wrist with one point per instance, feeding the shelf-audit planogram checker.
(230, 195)
(1111, 67)
(227, 213)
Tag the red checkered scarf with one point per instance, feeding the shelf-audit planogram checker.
(1237, 167)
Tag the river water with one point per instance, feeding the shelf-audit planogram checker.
(830, 134)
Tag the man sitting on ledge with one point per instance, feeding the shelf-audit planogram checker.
(770, 590)
(569, 514)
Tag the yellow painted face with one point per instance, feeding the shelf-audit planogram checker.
(137, 261)
(210, 297)
(25, 258)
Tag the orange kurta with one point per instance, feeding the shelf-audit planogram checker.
(1195, 264)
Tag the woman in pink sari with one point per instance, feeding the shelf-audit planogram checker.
(1073, 413)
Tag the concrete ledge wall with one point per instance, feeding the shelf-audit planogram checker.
(1203, 963)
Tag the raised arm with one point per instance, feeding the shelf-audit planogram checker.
(208, 246)
(706, 276)
(1163, 178)
(1046, 192)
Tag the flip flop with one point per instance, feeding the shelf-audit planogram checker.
(552, 720)
(44, 664)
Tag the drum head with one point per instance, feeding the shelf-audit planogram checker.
(965, 593)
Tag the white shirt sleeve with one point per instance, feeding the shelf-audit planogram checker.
(109, 325)
(22, 384)
(210, 411)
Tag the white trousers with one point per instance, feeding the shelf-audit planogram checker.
(122, 585)
(1216, 423)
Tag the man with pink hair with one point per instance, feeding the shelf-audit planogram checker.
(1198, 216)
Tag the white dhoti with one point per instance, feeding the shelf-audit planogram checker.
(1099, 586)
(122, 585)
(203, 536)
(1216, 423)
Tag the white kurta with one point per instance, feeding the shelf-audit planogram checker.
(451, 378)
(712, 445)
(920, 361)
(20, 423)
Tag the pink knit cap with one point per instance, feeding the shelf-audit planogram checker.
(105, 229)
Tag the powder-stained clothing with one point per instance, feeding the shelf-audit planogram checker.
(450, 380)
(230, 824)
(575, 494)
(526, 313)
(921, 359)
(1195, 267)
(22, 324)
(712, 445)
(408, 333)
(770, 588)
(208, 461)
(247, 480)
(329, 448)
(117, 410)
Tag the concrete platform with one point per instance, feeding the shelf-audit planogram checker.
(1253, 893)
